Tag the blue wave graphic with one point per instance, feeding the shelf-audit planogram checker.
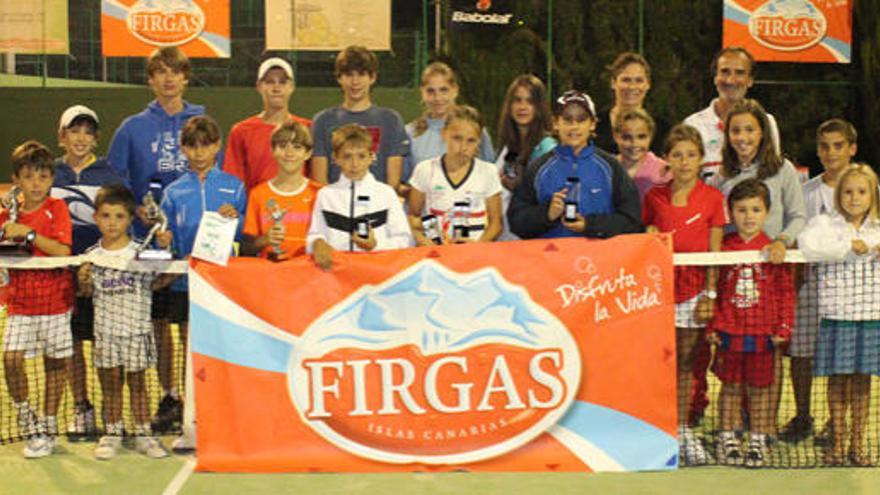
(218, 338)
(643, 447)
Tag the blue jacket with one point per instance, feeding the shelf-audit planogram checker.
(187, 198)
(609, 200)
(147, 146)
(79, 191)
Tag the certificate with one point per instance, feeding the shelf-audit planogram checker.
(214, 238)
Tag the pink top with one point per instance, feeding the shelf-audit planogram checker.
(651, 172)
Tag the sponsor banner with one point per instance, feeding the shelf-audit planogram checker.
(328, 25)
(467, 14)
(135, 28)
(791, 30)
(521, 356)
(34, 26)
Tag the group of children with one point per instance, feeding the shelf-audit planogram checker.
(384, 196)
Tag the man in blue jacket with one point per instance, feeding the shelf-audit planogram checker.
(601, 197)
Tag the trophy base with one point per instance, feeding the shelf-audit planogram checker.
(14, 249)
(154, 255)
(274, 256)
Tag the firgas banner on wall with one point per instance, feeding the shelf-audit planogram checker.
(135, 28)
(791, 30)
(34, 26)
(530, 356)
(328, 25)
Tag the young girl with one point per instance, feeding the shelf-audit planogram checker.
(633, 132)
(524, 132)
(439, 89)
(848, 349)
(459, 189)
(694, 214)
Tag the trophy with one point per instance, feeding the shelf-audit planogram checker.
(362, 224)
(8, 246)
(159, 222)
(431, 227)
(277, 214)
(460, 229)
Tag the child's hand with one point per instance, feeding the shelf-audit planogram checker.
(652, 229)
(14, 230)
(557, 205)
(859, 247)
(367, 244)
(323, 255)
(778, 340)
(510, 183)
(705, 309)
(228, 211)
(164, 238)
(775, 252)
(84, 274)
(579, 224)
(275, 236)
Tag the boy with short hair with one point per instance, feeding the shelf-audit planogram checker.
(357, 212)
(575, 172)
(40, 301)
(836, 145)
(203, 188)
(753, 315)
(249, 153)
(78, 175)
(124, 344)
(279, 210)
(356, 70)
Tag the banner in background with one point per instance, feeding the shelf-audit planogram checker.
(135, 28)
(25, 27)
(521, 356)
(486, 14)
(328, 25)
(791, 30)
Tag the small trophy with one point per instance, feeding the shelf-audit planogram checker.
(460, 229)
(157, 217)
(8, 246)
(431, 227)
(362, 224)
(277, 214)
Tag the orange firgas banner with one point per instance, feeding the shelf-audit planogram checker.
(135, 28)
(545, 355)
(791, 30)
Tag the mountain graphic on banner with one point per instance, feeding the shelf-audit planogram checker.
(789, 8)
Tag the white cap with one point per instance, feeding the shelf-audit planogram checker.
(75, 112)
(272, 63)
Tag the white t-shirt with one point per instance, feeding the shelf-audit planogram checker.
(818, 198)
(122, 298)
(480, 183)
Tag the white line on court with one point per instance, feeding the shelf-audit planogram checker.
(180, 478)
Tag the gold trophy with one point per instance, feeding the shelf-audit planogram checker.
(9, 246)
(277, 214)
(159, 222)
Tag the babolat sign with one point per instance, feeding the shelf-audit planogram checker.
(478, 12)
(524, 356)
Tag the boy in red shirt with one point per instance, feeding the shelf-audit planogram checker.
(754, 314)
(40, 301)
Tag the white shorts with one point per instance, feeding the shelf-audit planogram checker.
(35, 334)
(685, 313)
(132, 352)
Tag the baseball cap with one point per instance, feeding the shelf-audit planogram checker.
(575, 97)
(75, 112)
(271, 63)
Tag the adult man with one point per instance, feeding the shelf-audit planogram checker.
(248, 150)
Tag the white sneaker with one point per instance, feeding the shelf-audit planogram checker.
(150, 447)
(39, 446)
(728, 451)
(756, 452)
(83, 423)
(184, 444)
(108, 447)
(691, 449)
(29, 424)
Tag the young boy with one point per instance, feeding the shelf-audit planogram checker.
(356, 70)
(78, 175)
(754, 313)
(279, 210)
(375, 206)
(836, 147)
(146, 153)
(203, 188)
(124, 342)
(40, 301)
(606, 197)
(249, 154)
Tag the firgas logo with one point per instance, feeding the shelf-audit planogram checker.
(788, 25)
(483, 372)
(165, 22)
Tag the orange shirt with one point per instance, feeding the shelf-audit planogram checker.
(297, 206)
(248, 153)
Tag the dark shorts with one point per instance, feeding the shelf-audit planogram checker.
(170, 305)
(82, 322)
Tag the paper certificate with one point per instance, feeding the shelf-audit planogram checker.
(214, 238)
